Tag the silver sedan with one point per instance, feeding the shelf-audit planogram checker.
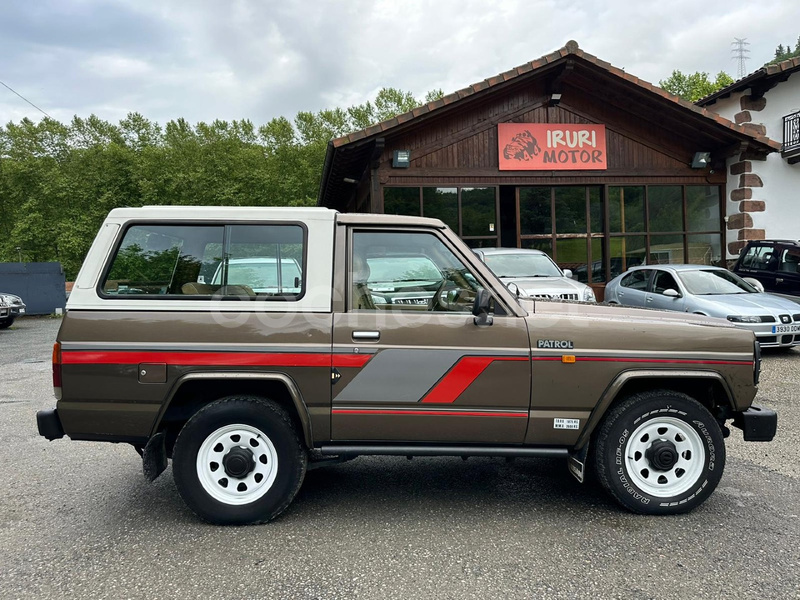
(710, 291)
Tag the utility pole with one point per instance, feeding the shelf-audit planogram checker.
(740, 53)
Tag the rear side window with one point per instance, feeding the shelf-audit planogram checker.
(637, 280)
(248, 262)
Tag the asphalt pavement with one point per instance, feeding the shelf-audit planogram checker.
(78, 520)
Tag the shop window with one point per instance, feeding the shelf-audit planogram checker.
(478, 212)
(702, 208)
(625, 252)
(441, 203)
(626, 209)
(665, 203)
(572, 254)
(570, 209)
(704, 249)
(545, 245)
(535, 216)
(596, 213)
(401, 201)
(666, 249)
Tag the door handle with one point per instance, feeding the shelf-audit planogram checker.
(779, 280)
(366, 336)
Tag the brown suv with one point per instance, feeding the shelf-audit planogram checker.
(250, 344)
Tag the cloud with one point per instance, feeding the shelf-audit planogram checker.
(204, 59)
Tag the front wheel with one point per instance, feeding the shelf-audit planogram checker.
(238, 461)
(660, 453)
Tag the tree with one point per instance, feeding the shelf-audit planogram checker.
(786, 53)
(59, 181)
(694, 86)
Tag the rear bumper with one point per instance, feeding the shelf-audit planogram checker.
(49, 424)
(757, 423)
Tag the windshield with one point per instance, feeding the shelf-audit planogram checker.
(713, 282)
(522, 265)
(402, 268)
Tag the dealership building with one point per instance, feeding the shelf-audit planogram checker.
(567, 154)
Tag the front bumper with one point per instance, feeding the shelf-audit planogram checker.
(49, 424)
(757, 423)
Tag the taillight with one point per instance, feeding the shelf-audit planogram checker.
(57, 370)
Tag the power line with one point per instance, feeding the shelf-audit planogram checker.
(740, 53)
(26, 100)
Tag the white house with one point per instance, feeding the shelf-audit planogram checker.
(763, 193)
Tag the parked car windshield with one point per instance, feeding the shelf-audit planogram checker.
(522, 265)
(714, 281)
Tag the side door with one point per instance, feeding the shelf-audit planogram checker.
(661, 282)
(419, 368)
(787, 277)
(632, 289)
(760, 262)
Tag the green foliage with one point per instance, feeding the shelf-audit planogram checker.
(58, 181)
(786, 53)
(694, 86)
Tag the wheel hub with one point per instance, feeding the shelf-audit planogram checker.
(238, 462)
(662, 455)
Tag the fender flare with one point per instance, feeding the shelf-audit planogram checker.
(291, 387)
(613, 389)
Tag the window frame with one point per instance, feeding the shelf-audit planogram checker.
(225, 224)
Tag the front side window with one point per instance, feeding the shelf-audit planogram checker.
(208, 261)
(408, 271)
(664, 281)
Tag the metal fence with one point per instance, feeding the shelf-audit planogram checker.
(40, 285)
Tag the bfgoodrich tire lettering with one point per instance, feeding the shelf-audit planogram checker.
(238, 461)
(660, 453)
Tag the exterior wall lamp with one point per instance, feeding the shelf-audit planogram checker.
(701, 160)
(401, 159)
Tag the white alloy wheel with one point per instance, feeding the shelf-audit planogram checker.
(237, 464)
(665, 457)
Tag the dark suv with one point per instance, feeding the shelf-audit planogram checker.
(772, 262)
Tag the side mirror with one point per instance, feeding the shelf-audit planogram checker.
(568, 273)
(481, 308)
(513, 288)
(670, 293)
(755, 283)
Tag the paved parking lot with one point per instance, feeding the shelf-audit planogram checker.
(78, 520)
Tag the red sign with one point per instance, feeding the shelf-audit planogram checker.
(551, 147)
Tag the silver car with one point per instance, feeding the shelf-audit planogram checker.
(534, 274)
(710, 291)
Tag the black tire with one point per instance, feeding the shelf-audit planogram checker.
(659, 453)
(267, 447)
(6, 323)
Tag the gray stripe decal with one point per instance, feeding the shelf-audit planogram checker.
(399, 376)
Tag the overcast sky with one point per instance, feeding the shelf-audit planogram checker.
(259, 59)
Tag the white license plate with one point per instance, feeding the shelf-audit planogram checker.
(786, 328)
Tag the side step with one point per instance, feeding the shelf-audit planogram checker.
(419, 450)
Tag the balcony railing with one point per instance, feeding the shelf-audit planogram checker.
(791, 133)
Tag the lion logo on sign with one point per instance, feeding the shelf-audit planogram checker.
(523, 146)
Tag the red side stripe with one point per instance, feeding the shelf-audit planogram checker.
(435, 413)
(648, 360)
(460, 377)
(239, 359)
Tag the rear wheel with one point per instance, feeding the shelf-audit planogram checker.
(660, 453)
(239, 461)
